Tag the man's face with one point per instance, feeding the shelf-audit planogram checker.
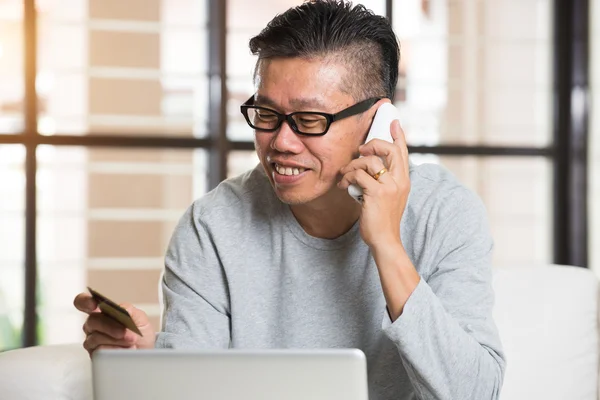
(294, 84)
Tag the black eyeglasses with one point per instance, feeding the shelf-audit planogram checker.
(310, 123)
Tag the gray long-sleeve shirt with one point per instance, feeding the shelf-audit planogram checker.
(241, 272)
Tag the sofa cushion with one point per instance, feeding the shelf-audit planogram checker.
(61, 372)
(548, 322)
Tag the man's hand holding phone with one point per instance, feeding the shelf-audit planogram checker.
(382, 175)
(380, 179)
(105, 327)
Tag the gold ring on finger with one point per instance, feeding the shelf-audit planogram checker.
(378, 175)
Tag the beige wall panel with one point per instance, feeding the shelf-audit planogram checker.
(127, 238)
(125, 97)
(138, 10)
(455, 17)
(143, 191)
(456, 65)
(127, 286)
(155, 322)
(124, 49)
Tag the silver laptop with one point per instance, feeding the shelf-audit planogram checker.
(230, 374)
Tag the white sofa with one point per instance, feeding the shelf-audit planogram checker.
(547, 316)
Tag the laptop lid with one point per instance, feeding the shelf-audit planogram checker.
(230, 374)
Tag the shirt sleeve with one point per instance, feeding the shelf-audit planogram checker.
(196, 311)
(446, 335)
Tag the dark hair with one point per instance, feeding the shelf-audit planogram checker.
(365, 42)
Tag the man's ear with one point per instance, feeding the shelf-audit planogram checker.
(370, 113)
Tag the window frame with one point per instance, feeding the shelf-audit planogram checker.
(567, 152)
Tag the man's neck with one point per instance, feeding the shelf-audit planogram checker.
(328, 218)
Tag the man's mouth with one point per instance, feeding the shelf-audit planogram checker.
(288, 171)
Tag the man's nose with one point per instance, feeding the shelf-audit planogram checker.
(285, 140)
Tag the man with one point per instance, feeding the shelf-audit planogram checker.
(283, 257)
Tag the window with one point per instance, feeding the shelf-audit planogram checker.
(479, 73)
(12, 235)
(114, 67)
(11, 67)
(125, 140)
(105, 216)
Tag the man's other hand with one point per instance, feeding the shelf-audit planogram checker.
(102, 332)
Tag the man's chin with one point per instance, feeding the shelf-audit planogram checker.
(297, 196)
(292, 198)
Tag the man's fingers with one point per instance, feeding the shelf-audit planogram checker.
(98, 322)
(397, 131)
(139, 317)
(96, 339)
(371, 164)
(359, 177)
(381, 148)
(395, 154)
(390, 152)
(85, 302)
(399, 137)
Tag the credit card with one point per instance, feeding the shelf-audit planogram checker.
(114, 311)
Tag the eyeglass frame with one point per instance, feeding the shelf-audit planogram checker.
(355, 109)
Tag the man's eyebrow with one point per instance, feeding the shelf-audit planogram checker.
(299, 104)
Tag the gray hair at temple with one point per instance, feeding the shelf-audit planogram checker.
(337, 31)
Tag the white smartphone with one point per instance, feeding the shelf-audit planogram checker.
(380, 129)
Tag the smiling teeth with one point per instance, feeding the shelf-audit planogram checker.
(289, 171)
